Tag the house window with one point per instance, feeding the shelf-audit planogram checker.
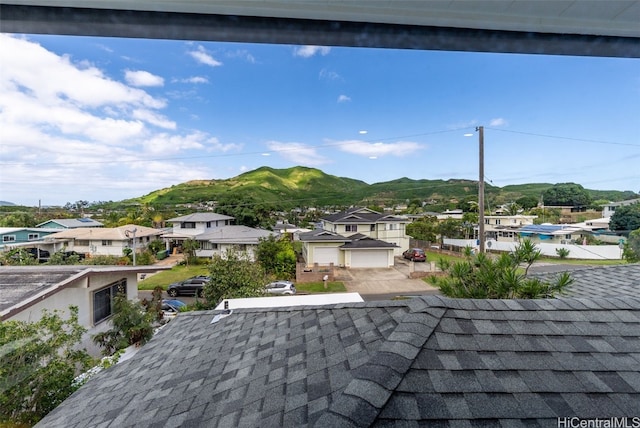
(106, 242)
(9, 238)
(188, 225)
(498, 221)
(103, 300)
(351, 228)
(373, 228)
(392, 226)
(208, 224)
(82, 243)
(33, 236)
(486, 221)
(567, 236)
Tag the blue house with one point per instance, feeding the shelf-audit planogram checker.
(21, 236)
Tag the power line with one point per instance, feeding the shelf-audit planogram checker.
(565, 138)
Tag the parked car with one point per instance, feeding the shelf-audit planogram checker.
(171, 307)
(415, 255)
(281, 287)
(189, 287)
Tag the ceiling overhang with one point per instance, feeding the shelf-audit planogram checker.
(561, 27)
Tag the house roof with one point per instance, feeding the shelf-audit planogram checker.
(362, 215)
(320, 235)
(200, 217)
(620, 280)
(111, 233)
(429, 360)
(22, 285)
(234, 235)
(71, 223)
(364, 242)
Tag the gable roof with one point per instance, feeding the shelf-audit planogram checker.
(424, 360)
(320, 235)
(200, 217)
(71, 223)
(362, 215)
(234, 235)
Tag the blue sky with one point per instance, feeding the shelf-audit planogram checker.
(109, 119)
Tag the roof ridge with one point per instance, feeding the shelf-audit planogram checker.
(374, 382)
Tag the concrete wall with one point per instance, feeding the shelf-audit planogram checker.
(576, 251)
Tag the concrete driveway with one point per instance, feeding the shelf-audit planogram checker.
(384, 282)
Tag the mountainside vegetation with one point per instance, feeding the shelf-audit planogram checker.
(303, 186)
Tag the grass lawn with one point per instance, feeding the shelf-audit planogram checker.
(164, 278)
(582, 262)
(318, 287)
(434, 256)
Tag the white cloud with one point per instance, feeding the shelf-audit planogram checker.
(499, 121)
(79, 134)
(298, 153)
(154, 118)
(201, 56)
(374, 150)
(142, 78)
(196, 79)
(463, 125)
(329, 75)
(309, 51)
(343, 99)
(242, 54)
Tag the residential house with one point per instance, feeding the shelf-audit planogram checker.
(609, 209)
(70, 223)
(191, 225)
(29, 237)
(505, 227)
(425, 361)
(27, 290)
(364, 221)
(356, 251)
(102, 241)
(222, 239)
(554, 233)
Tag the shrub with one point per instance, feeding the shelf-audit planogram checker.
(563, 253)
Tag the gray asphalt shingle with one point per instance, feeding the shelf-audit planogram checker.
(428, 360)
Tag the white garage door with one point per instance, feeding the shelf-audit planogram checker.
(369, 258)
(325, 255)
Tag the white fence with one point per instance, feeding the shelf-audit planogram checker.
(576, 251)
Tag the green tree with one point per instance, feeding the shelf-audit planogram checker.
(527, 202)
(233, 275)
(626, 217)
(18, 219)
(130, 322)
(631, 249)
(451, 228)
(189, 247)
(566, 194)
(482, 277)
(277, 256)
(38, 364)
(17, 257)
(425, 229)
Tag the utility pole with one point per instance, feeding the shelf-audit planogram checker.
(133, 232)
(480, 130)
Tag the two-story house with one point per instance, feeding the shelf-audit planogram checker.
(505, 227)
(372, 224)
(215, 234)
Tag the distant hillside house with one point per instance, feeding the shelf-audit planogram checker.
(192, 225)
(102, 241)
(70, 223)
(372, 224)
(609, 209)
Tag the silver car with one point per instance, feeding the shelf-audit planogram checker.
(281, 287)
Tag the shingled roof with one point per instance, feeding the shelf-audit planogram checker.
(603, 281)
(429, 360)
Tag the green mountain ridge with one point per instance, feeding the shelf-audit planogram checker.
(304, 186)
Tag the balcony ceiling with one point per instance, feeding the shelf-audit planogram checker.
(573, 27)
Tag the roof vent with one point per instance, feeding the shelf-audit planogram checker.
(224, 314)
